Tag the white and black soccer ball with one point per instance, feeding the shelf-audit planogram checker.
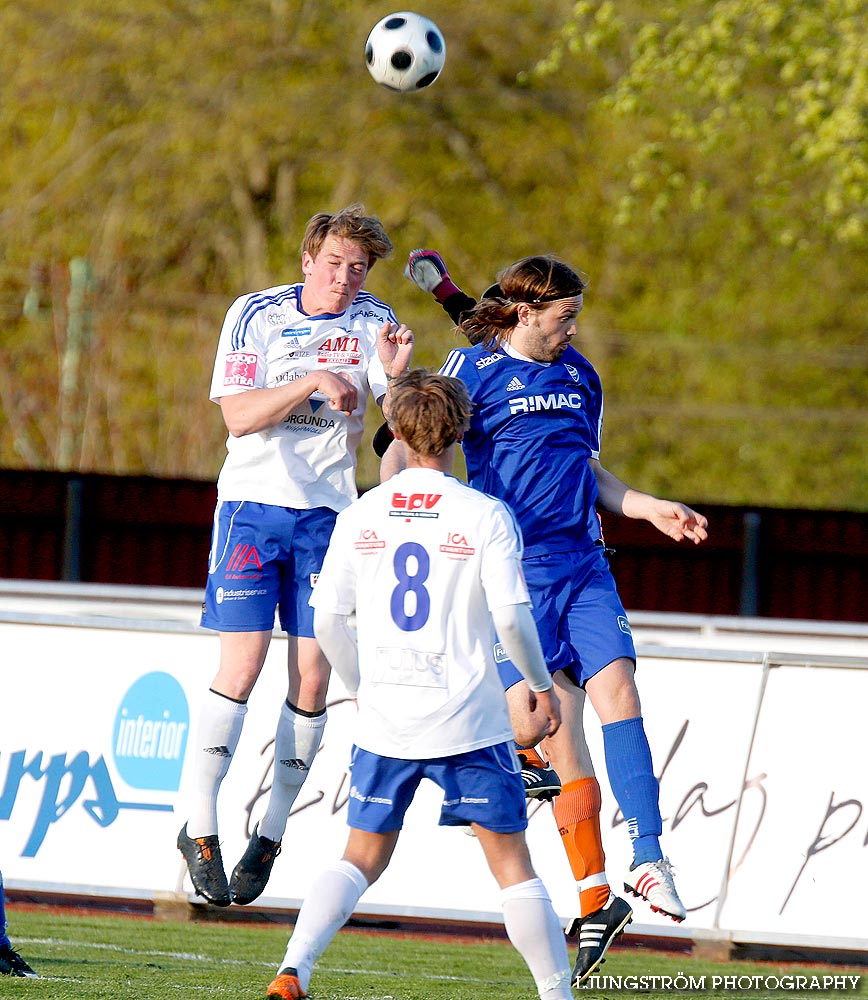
(405, 51)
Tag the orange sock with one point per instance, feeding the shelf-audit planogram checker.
(577, 813)
(531, 754)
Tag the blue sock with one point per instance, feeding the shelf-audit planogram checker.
(636, 790)
(4, 940)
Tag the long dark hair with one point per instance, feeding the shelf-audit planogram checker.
(534, 281)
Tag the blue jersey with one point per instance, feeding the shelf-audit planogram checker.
(534, 428)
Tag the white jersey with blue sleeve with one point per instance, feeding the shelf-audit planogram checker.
(533, 430)
(422, 560)
(309, 459)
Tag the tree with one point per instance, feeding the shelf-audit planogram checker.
(784, 84)
(171, 152)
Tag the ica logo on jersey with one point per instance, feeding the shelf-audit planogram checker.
(456, 546)
(368, 541)
(414, 504)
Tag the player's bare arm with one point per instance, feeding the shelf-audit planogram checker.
(672, 518)
(258, 409)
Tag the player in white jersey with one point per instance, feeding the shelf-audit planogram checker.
(294, 367)
(429, 566)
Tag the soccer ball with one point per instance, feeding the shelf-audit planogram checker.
(405, 51)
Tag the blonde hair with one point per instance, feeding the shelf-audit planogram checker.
(350, 223)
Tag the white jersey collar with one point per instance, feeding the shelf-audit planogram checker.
(507, 348)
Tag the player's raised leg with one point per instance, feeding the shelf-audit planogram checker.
(219, 729)
(299, 734)
(602, 915)
(634, 785)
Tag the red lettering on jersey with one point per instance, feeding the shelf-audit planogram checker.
(240, 369)
(242, 557)
(368, 541)
(415, 501)
(341, 345)
(457, 546)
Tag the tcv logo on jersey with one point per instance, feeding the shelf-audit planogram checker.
(574, 373)
(414, 504)
(552, 401)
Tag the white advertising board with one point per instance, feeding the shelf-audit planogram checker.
(800, 860)
(760, 768)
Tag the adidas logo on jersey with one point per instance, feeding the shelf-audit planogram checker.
(515, 384)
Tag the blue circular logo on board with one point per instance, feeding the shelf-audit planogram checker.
(150, 733)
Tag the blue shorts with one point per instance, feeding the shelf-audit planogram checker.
(581, 622)
(264, 558)
(481, 786)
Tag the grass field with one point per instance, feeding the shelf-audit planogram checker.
(84, 957)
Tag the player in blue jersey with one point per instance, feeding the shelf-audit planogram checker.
(11, 963)
(534, 442)
(427, 592)
(295, 365)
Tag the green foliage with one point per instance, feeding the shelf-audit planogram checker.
(179, 148)
(777, 87)
(91, 958)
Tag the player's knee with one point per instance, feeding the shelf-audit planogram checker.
(529, 732)
(613, 692)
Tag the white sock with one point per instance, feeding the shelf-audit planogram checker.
(295, 745)
(535, 931)
(328, 905)
(219, 729)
